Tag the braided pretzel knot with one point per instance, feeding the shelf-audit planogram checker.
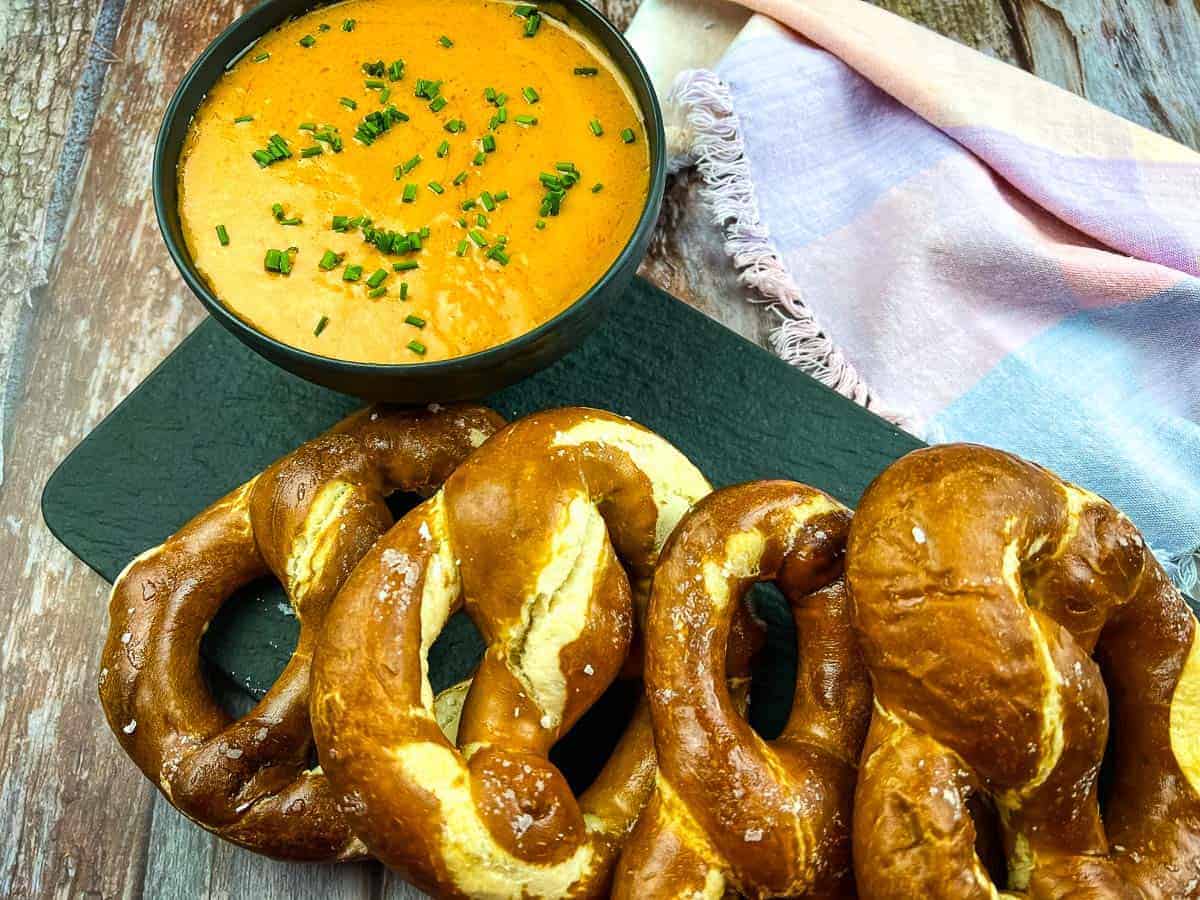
(306, 520)
(995, 604)
(528, 534)
(730, 811)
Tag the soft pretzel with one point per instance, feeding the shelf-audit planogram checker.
(528, 533)
(306, 520)
(730, 811)
(1004, 615)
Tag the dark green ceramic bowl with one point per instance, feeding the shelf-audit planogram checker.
(464, 377)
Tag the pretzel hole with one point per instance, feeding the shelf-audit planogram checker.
(773, 675)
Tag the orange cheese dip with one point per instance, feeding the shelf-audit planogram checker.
(418, 108)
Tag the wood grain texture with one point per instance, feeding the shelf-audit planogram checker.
(75, 818)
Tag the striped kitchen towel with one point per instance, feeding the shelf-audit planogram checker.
(968, 250)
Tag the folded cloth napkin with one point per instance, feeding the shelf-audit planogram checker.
(970, 251)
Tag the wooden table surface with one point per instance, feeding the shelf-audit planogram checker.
(90, 303)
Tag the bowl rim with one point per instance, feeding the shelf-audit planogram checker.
(596, 22)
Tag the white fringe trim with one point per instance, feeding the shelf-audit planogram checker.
(713, 142)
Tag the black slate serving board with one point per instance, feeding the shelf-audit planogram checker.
(214, 413)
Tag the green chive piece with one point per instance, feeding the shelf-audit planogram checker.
(489, 94)
(462, 249)
(627, 135)
(273, 261)
(586, 71)
(406, 265)
(566, 167)
(285, 261)
(498, 255)
(307, 126)
(395, 70)
(524, 10)
(352, 273)
(467, 204)
(477, 236)
(501, 99)
(502, 115)
(436, 187)
(329, 261)
(424, 232)
(481, 220)
(595, 126)
(404, 290)
(454, 126)
(411, 164)
(321, 323)
(263, 158)
(417, 347)
(222, 235)
(341, 223)
(488, 142)
(348, 24)
(532, 22)
(414, 320)
(277, 210)
(530, 95)
(460, 178)
(525, 120)
(307, 41)
(462, 223)
(322, 27)
(308, 152)
(376, 278)
(540, 224)
(262, 57)
(374, 84)
(597, 188)
(348, 103)
(241, 119)
(437, 104)
(384, 96)
(375, 293)
(443, 149)
(445, 41)
(488, 202)
(414, 241)
(479, 159)
(410, 193)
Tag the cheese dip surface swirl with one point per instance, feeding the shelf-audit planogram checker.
(395, 181)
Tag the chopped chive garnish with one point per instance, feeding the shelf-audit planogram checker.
(427, 89)
(467, 205)
(417, 347)
(525, 120)
(501, 99)
(307, 41)
(376, 292)
(385, 95)
(395, 70)
(436, 187)
(262, 57)
(489, 94)
(627, 135)
(586, 71)
(329, 260)
(414, 241)
(437, 104)
(539, 224)
(550, 181)
(263, 158)
(479, 158)
(454, 126)
(321, 323)
(348, 24)
(488, 142)
(376, 278)
(376, 123)
(424, 232)
(500, 196)
(566, 167)
(273, 261)
(462, 249)
(222, 235)
(374, 69)
(530, 95)
(295, 220)
(411, 164)
(307, 126)
(323, 27)
(597, 188)
(374, 84)
(481, 220)
(532, 22)
(461, 222)
(410, 193)
(460, 178)
(404, 290)
(595, 126)
(277, 210)
(285, 261)
(352, 273)
(502, 115)
(406, 265)
(240, 119)
(445, 41)
(498, 254)
(348, 103)
(311, 151)
(341, 223)
(477, 236)
(488, 203)
(414, 320)
(524, 10)
(443, 149)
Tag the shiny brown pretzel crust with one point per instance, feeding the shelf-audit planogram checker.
(732, 812)
(995, 604)
(528, 532)
(307, 520)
